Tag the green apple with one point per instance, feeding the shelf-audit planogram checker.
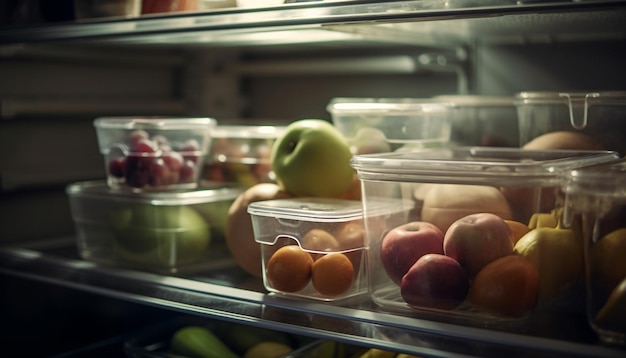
(312, 158)
(163, 236)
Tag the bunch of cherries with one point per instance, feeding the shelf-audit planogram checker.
(151, 162)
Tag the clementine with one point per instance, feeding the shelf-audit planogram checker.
(289, 269)
(332, 274)
(507, 286)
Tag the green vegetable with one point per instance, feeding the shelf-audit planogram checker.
(199, 342)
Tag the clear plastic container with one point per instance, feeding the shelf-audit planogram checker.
(153, 153)
(598, 116)
(483, 120)
(596, 205)
(375, 125)
(241, 154)
(164, 232)
(443, 187)
(311, 247)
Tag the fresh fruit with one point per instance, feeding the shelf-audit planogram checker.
(445, 203)
(538, 220)
(289, 269)
(607, 261)
(435, 281)
(351, 238)
(165, 236)
(239, 232)
(404, 245)
(563, 140)
(477, 239)
(332, 274)
(507, 286)
(354, 191)
(268, 350)
(613, 314)
(198, 342)
(557, 254)
(144, 162)
(369, 140)
(241, 337)
(378, 353)
(518, 230)
(318, 241)
(312, 158)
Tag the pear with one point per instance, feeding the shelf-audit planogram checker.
(557, 254)
(606, 258)
(613, 314)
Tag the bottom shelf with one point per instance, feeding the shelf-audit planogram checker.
(222, 291)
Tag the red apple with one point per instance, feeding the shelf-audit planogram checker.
(477, 239)
(435, 281)
(405, 244)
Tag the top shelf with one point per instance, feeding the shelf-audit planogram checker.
(420, 22)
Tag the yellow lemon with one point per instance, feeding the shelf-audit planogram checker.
(558, 256)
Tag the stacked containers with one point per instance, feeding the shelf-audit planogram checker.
(375, 125)
(596, 118)
(596, 204)
(483, 120)
(152, 212)
(440, 186)
(241, 154)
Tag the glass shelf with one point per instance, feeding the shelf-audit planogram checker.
(348, 21)
(221, 290)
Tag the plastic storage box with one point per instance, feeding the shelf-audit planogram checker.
(164, 232)
(241, 154)
(595, 116)
(596, 205)
(375, 125)
(311, 248)
(483, 120)
(153, 153)
(437, 187)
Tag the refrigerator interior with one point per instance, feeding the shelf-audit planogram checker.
(54, 83)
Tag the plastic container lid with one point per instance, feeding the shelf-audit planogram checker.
(203, 194)
(604, 179)
(476, 165)
(245, 131)
(387, 106)
(476, 100)
(575, 100)
(309, 209)
(160, 123)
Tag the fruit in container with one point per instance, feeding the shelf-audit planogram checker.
(312, 158)
(557, 254)
(612, 315)
(607, 261)
(477, 239)
(160, 235)
(318, 241)
(404, 245)
(332, 274)
(445, 203)
(289, 269)
(507, 286)
(435, 281)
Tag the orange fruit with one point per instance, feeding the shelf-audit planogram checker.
(518, 230)
(318, 241)
(332, 274)
(289, 269)
(507, 286)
